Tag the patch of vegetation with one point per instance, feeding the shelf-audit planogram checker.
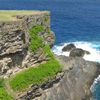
(35, 41)
(36, 75)
(3, 93)
(48, 52)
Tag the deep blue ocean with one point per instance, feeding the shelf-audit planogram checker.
(76, 21)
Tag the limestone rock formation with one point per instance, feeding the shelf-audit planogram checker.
(15, 39)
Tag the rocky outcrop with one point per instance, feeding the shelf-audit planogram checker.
(14, 41)
(74, 52)
(69, 47)
(78, 52)
(76, 82)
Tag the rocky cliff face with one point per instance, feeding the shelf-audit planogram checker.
(75, 84)
(14, 41)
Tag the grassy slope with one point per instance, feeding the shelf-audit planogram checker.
(35, 75)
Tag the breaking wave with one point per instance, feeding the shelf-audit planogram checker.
(93, 48)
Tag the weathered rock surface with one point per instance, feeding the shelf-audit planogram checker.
(14, 41)
(78, 52)
(50, 39)
(69, 47)
(76, 82)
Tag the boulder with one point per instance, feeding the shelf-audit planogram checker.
(77, 53)
(69, 47)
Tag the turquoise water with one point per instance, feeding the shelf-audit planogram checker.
(76, 21)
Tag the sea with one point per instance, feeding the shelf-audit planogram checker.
(73, 21)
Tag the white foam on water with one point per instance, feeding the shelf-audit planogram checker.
(91, 47)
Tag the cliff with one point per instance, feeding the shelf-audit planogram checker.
(28, 68)
(15, 39)
(25, 52)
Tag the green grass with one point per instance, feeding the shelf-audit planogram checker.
(37, 75)
(35, 41)
(3, 93)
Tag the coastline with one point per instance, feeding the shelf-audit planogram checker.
(73, 82)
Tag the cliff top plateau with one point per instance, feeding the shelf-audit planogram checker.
(11, 15)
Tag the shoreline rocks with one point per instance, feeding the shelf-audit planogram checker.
(74, 52)
(78, 52)
(69, 47)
